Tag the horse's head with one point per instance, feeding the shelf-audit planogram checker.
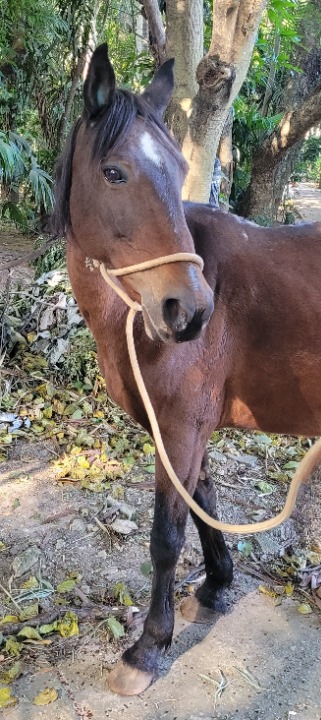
(119, 188)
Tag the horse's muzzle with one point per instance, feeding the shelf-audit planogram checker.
(176, 301)
(184, 323)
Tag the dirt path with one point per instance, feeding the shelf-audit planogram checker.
(307, 201)
(13, 245)
(266, 650)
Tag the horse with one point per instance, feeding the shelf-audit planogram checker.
(235, 346)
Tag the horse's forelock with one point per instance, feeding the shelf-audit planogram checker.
(114, 123)
(112, 128)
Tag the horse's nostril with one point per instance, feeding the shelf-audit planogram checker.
(174, 314)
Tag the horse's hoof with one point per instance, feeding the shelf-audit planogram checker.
(127, 680)
(194, 612)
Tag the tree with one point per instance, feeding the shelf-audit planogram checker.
(205, 85)
(292, 128)
(292, 87)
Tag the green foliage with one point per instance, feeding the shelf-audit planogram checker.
(44, 46)
(54, 258)
(81, 360)
(276, 46)
(132, 69)
(308, 166)
(27, 188)
(311, 150)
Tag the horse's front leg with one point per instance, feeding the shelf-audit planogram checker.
(218, 562)
(139, 664)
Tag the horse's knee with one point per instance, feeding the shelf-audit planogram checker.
(167, 536)
(166, 544)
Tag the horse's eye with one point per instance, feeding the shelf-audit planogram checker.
(114, 175)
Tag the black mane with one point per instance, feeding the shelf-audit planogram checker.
(110, 129)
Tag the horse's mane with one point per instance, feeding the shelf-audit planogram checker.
(109, 128)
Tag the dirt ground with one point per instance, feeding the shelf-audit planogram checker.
(307, 201)
(265, 652)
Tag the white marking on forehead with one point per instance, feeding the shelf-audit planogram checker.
(149, 148)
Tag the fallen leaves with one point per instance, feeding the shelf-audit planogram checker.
(6, 699)
(46, 696)
(304, 609)
(12, 674)
(116, 628)
(68, 626)
(66, 586)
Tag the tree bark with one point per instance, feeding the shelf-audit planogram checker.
(205, 87)
(268, 181)
(184, 42)
(220, 75)
(157, 37)
(62, 125)
(292, 128)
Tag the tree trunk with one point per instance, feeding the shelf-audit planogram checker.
(157, 37)
(267, 189)
(258, 199)
(220, 75)
(205, 87)
(184, 22)
(141, 29)
(63, 122)
(264, 201)
(281, 178)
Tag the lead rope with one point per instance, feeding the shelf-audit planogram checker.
(304, 470)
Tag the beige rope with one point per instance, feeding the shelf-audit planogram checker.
(304, 470)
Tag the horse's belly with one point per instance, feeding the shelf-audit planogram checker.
(287, 402)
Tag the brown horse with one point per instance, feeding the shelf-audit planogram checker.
(254, 362)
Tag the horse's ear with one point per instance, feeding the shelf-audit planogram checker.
(100, 82)
(160, 90)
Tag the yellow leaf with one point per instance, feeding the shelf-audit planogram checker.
(99, 414)
(81, 460)
(59, 406)
(2, 546)
(6, 439)
(12, 647)
(9, 619)
(6, 699)
(47, 412)
(289, 589)
(47, 696)
(31, 336)
(12, 674)
(29, 633)
(66, 585)
(68, 626)
(42, 390)
(31, 584)
(46, 629)
(29, 612)
(304, 609)
(37, 428)
(267, 591)
(96, 487)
